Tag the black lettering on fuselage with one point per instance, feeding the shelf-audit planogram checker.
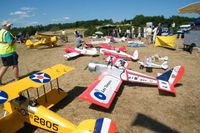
(106, 86)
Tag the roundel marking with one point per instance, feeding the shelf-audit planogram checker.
(40, 77)
(3, 97)
(100, 95)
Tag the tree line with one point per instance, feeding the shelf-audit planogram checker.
(91, 25)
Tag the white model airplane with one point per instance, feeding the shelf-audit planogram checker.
(120, 54)
(95, 43)
(74, 52)
(148, 64)
(103, 90)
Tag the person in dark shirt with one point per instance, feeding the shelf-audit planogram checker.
(159, 29)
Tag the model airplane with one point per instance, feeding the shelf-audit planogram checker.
(103, 90)
(96, 43)
(120, 54)
(42, 39)
(108, 46)
(148, 64)
(74, 52)
(22, 105)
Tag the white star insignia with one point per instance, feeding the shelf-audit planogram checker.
(2, 98)
(41, 79)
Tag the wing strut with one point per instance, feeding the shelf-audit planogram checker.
(58, 85)
(45, 93)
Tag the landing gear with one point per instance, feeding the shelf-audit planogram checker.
(141, 67)
(148, 69)
(33, 102)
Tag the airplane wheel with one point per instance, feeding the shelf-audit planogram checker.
(149, 69)
(141, 67)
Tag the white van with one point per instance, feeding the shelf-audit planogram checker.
(184, 28)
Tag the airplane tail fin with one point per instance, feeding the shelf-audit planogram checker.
(101, 125)
(164, 65)
(89, 44)
(123, 48)
(168, 79)
(135, 55)
(165, 58)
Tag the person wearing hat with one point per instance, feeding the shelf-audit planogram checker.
(8, 52)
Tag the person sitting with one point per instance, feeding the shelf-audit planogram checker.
(79, 41)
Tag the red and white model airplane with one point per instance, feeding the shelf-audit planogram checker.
(108, 46)
(96, 43)
(120, 54)
(74, 52)
(103, 90)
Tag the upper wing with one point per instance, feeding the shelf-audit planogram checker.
(34, 80)
(71, 55)
(102, 91)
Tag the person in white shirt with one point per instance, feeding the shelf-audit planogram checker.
(149, 34)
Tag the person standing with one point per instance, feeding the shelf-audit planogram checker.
(133, 31)
(8, 52)
(154, 34)
(149, 34)
(159, 29)
(64, 36)
(139, 33)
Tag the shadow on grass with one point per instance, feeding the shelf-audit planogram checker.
(147, 122)
(22, 76)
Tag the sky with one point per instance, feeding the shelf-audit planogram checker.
(24, 13)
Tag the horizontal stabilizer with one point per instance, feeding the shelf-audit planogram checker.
(168, 79)
(104, 125)
(100, 125)
(135, 55)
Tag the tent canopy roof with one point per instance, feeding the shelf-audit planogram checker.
(191, 8)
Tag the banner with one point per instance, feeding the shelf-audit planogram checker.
(166, 41)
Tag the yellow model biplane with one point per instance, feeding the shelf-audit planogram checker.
(42, 39)
(21, 105)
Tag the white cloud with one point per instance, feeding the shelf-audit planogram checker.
(55, 20)
(65, 18)
(23, 12)
(20, 14)
(44, 13)
(34, 23)
(27, 9)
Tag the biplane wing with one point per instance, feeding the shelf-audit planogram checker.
(35, 80)
(103, 90)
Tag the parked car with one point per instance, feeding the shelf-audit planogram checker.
(183, 29)
(165, 31)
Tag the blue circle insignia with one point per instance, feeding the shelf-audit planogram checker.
(40, 77)
(3, 97)
(100, 95)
